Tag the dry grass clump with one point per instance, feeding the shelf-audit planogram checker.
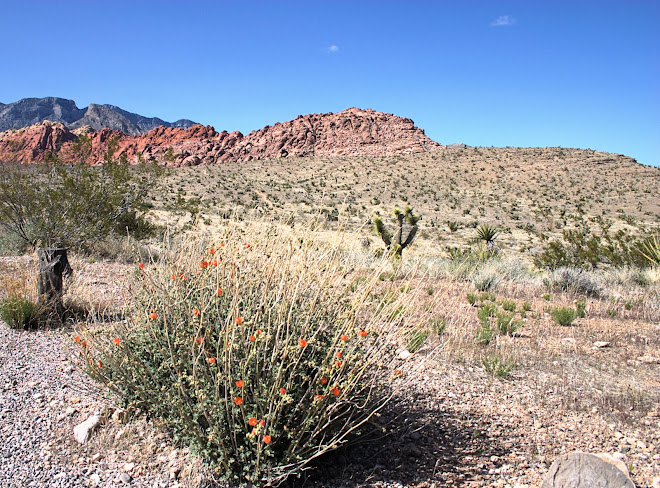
(259, 348)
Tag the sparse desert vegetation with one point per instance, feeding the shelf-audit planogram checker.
(521, 322)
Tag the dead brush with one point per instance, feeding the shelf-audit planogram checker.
(256, 350)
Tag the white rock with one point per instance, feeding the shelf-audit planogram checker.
(601, 344)
(404, 355)
(95, 479)
(81, 432)
(128, 466)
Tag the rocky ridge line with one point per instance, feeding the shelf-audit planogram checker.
(352, 132)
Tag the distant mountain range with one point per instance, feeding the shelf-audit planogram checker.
(29, 111)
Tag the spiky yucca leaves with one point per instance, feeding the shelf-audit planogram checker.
(488, 234)
(650, 249)
(395, 243)
(257, 352)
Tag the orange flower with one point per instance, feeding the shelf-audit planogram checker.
(214, 262)
(211, 360)
(252, 421)
(141, 265)
(195, 312)
(173, 276)
(336, 391)
(266, 439)
(258, 332)
(397, 371)
(76, 339)
(100, 364)
(364, 333)
(319, 397)
(222, 244)
(239, 320)
(282, 391)
(116, 341)
(204, 264)
(83, 343)
(302, 343)
(324, 380)
(199, 339)
(252, 338)
(262, 422)
(240, 383)
(153, 316)
(219, 291)
(212, 250)
(338, 354)
(344, 337)
(247, 246)
(337, 364)
(238, 400)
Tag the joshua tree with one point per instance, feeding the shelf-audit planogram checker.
(395, 243)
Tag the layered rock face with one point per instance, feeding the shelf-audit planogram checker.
(352, 132)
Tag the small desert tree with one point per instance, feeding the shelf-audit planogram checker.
(61, 205)
(56, 205)
(395, 243)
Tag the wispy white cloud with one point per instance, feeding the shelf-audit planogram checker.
(503, 20)
(333, 49)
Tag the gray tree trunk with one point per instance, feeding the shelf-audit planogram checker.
(53, 266)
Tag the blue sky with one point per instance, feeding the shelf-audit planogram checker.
(488, 73)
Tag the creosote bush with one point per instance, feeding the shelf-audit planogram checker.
(257, 350)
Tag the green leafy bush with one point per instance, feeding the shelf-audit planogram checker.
(60, 205)
(563, 315)
(257, 352)
(19, 312)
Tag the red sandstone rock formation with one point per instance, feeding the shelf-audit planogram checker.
(353, 132)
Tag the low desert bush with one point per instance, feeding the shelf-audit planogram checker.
(574, 280)
(257, 350)
(20, 312)
(563, 315)
(496, 366)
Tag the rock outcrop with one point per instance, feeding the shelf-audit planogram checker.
(352, 132)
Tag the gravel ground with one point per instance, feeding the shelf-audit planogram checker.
(451, 425)
(456, 427)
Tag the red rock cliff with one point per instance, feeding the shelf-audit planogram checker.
(352, 132)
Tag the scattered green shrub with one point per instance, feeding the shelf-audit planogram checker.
(438, 325)
(471, 298)
(509, 305)
(506, 323)
(19, 312)
(416, 338)
(485, 333)
(253, 353)
(580, 308)
(496, 366)
(563, 315)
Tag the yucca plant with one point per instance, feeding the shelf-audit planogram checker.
(256, 351)
(650, 249)
(488, 234)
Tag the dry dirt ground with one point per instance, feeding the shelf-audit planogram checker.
(452, 424)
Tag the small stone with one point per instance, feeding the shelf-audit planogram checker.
(75, 400)
(82, 431)
(592, 471)
(95, 479)
(403, 355)
(601, 344)
(128, 466)
(125, 478)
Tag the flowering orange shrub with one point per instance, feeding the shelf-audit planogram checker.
(260, 363)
